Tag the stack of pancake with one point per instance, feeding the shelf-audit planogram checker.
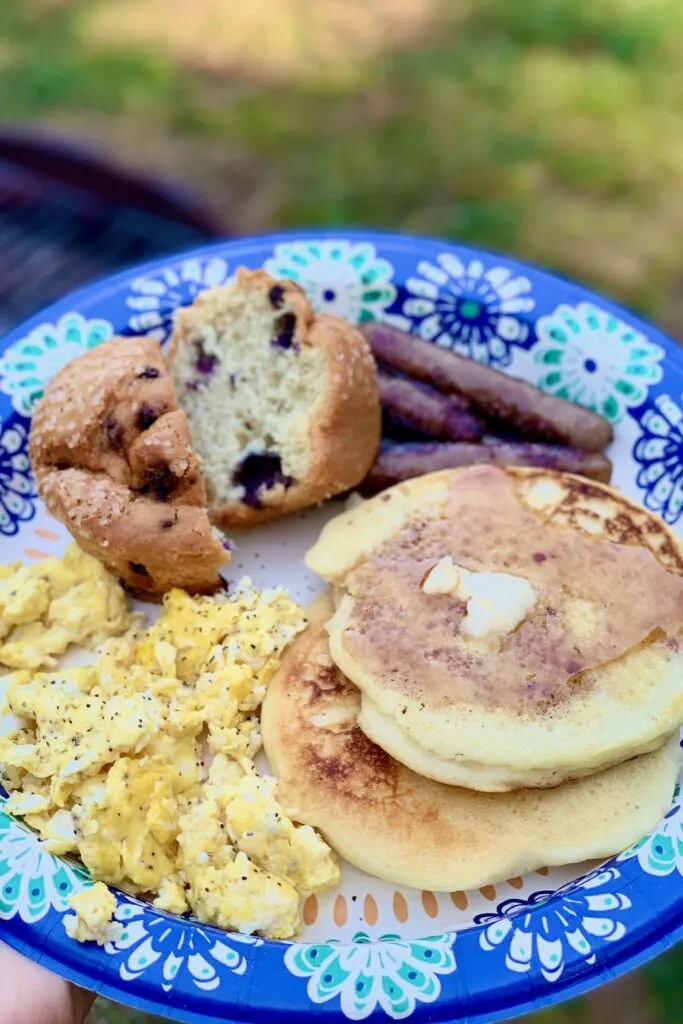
(493, 683)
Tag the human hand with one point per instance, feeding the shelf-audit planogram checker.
(31, 995)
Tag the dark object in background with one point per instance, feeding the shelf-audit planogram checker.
(68, 217)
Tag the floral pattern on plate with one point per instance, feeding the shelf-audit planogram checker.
(659, 451)
(17, 486)
(390, 973)
(543, 931)
(28, 364)
(469, 307)
(346, 279)
(154, 297)
(588, 356)
(148, 939)
(32, 882)
(661, 853)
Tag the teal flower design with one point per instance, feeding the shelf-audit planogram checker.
(588, 356)
(346, 279)
(661, 852)
(392, 974)
(27, 366)
(32, 882)
(151, 941)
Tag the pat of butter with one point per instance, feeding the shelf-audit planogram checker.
(496, 601)
(442, 578)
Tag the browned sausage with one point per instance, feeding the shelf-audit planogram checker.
(504, 400)
(403, 462)
(428, 410)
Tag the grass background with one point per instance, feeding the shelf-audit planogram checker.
(552, 129)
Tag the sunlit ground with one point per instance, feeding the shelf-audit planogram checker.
(552, 129)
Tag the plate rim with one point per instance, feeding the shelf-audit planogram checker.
(269, 238)
(509, 1008)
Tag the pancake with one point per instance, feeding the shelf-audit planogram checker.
(569, 662)
(407, 829)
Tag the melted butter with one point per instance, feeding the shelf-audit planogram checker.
(496, 601)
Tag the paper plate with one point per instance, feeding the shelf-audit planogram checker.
(369, 951)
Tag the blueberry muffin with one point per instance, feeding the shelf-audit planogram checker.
(114, 462)
(283, 406)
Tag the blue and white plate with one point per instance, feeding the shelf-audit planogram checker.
(370, 950)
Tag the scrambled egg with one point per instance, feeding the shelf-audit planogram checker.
(142, 764)
(57, 602)
(92, 920)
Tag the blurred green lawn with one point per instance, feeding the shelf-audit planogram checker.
(552, 129)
